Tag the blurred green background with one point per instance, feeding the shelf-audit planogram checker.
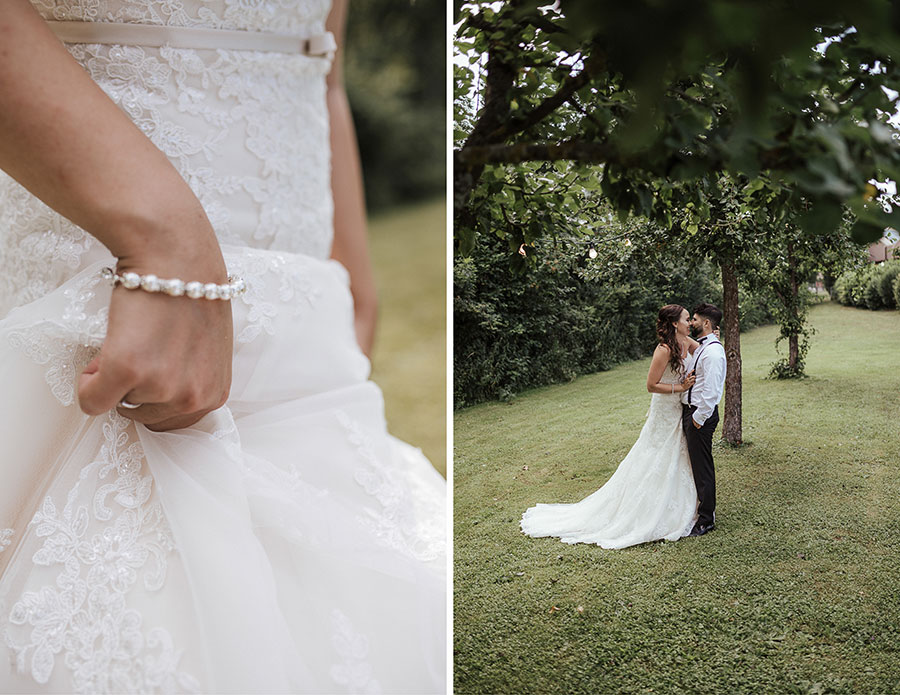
(395, 73)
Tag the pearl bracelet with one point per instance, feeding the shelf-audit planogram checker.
(175, 287)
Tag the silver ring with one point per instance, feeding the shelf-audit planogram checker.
(130, 406)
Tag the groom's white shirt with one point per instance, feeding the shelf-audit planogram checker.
(709, 362)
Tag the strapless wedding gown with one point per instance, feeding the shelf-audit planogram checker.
(651, 495)
(285, 543)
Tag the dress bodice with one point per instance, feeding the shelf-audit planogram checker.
(672, 377)
(247, 130)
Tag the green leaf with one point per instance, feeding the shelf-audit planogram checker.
(466, 239)
(865, 233)
(822, 218)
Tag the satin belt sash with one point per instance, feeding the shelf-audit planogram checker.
(192, 37)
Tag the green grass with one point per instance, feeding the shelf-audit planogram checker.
(796, 591)
(409, 359)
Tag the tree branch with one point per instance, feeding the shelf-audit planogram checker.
(575, 150)
(595, 63)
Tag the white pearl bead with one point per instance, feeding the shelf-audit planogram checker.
(225, 292)
(174, 287)
(211, 290)
(131, 281)
(150, 283)
(194, 290)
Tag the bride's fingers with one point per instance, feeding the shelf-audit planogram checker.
(161, 416)
(177, 423)
(100, 386)
(161, 409)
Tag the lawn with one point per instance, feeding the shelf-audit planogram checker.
(796, 591)
(409, 360)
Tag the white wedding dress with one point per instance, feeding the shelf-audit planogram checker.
(285, 543)
(651, 496)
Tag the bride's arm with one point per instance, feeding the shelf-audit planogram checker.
(692, 345)
(351, 246)
(66, 142)
(658, 368)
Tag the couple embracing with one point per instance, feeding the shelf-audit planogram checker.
(665, 487)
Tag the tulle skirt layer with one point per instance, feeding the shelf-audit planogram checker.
(285, 543)
(651, 495)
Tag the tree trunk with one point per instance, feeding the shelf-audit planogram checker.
(731, 338)
(793, 352)
(498, 83)
(793, 338)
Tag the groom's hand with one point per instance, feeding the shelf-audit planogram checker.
(696, 426)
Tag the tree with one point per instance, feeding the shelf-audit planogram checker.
(791, 259)
(656, 95)
(660, 107)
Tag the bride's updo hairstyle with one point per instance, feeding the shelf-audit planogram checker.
(665, 333)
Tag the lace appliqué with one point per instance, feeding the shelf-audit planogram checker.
(195, 105)
(397, 524)
(271, 278)
(38, 247)
(86, 617)
(354, 672)
(6, 535)
(68, 345)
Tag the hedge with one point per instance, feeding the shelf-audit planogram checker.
(870, 287)
(515, 332)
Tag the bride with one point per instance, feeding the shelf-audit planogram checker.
(198, 490)
(652, 495)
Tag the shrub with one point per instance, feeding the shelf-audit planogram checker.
(859, 281)
(897, 292)
(871, 291)
(869, 287)
(841, 289)
(889, 273)
(755, 310)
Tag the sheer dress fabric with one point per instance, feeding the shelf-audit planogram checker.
(651, 496)
(285, 543)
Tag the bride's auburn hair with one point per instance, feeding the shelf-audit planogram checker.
(665, 333)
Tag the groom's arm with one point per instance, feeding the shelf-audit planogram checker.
(708, 389)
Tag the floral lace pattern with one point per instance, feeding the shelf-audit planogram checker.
(354, 672)
(109, 536)
(66, 345)
(6, 535)
(39, 249)
(271, 278)
(397, 524)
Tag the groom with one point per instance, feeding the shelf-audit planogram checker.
(700, 411)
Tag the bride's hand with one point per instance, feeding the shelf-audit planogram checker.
(688, 381)
(170, 354)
